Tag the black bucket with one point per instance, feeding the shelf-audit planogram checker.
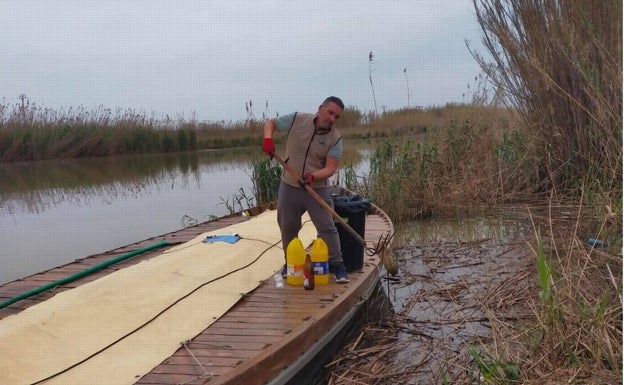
(352, 209)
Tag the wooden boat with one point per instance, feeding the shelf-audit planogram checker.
(270, 336)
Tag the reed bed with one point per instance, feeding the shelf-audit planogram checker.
(557, 65)
(451, 168)
(32, 132)
(544, 308)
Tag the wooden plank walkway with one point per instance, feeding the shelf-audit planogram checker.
(253, 341)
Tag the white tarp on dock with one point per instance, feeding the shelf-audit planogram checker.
(116, 324)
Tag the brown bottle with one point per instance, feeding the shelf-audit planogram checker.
(308, 273)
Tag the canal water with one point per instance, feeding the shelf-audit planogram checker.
(54, 212)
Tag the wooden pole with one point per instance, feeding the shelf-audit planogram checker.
(320, 200)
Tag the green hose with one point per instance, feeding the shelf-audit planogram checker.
(83, 273)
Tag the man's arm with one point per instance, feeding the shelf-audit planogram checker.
(268, 146)
(331, 165)
(269, 128)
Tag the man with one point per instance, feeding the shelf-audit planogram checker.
(313, 150)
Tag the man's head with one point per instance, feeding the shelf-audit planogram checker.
(329, 112)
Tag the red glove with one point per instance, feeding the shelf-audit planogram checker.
(307, 179)
(268, 146)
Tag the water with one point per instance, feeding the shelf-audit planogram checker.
(450, 250)
(54, 212)
(452, 273)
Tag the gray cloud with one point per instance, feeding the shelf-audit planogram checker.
(171, 57)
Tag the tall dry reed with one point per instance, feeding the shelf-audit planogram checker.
(32, 132)
(560, 65)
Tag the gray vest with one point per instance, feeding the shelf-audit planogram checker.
(307, 148)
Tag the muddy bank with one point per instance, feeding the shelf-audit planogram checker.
(481, 301)
(455, 279)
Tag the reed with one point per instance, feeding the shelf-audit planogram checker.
(453, 167)
(560, 63)
(32, 132)
(265, 177)
(575, 332)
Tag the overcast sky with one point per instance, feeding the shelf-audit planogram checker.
(181, 56)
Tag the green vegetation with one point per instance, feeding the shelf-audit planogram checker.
(266, 178)
(491, 370)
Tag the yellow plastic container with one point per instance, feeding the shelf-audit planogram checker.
(295, 258)
(319, 254)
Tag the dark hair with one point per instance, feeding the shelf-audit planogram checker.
(336, 100)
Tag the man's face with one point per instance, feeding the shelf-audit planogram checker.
(328, 115)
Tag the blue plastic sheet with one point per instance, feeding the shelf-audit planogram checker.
(222, 238)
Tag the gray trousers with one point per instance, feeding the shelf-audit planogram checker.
(293, 202)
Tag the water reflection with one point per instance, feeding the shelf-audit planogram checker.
(34, 187)
(53, 212)
(463, 229)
